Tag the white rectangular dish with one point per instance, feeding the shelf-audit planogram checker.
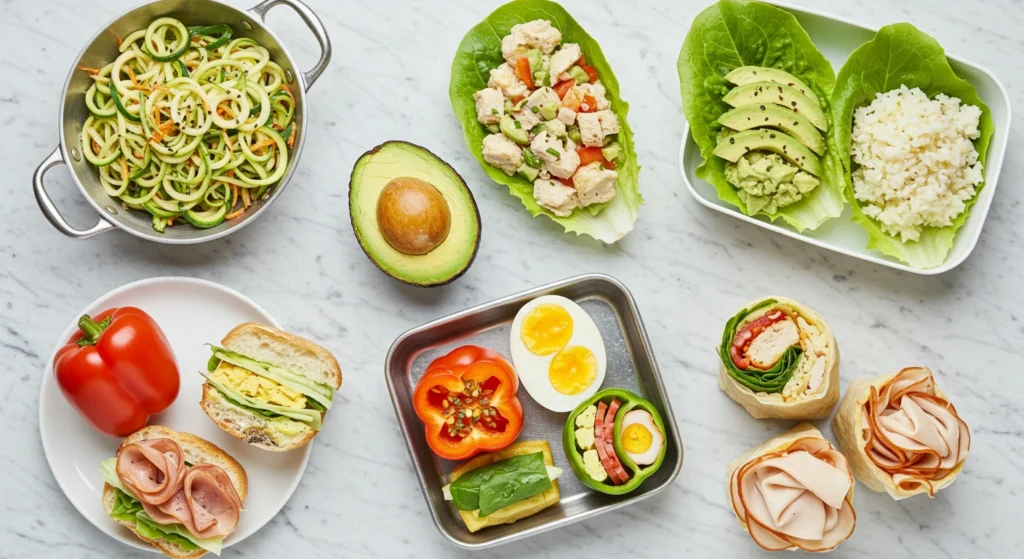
(836, 38)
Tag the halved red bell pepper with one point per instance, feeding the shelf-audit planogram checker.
(467, 402)
(117, 370)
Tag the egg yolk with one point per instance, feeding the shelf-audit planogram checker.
(636, 438)
(257, 387)
(573, 370)
(546, 329)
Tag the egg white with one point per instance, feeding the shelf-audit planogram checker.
(533, 369)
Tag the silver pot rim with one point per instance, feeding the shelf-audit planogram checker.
(255, 18)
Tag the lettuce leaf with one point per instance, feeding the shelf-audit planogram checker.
(480, 51)
(734, 33)
(900, 54)
(128, 508)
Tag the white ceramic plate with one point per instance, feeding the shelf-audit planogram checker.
(191, 313)
(836, 38)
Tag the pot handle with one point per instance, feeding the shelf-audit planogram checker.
(313, 23)
(50, 210)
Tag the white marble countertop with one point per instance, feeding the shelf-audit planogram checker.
(687, 266)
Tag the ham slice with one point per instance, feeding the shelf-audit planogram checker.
(609, 433)
(912, 433)
(796, 498)
(603, 451)
(153, 470)
(201, 498)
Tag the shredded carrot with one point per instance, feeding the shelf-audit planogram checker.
(95, 147)
(289, 92)
(234, 194)
(227, 141)
(262, 144)
(291, 138)
(119, 39)
(156, 116)
(90, 71)
(124, 169)
(235, 213)
(246, 202)
(170, 221)
(135, 82)
(231, 173)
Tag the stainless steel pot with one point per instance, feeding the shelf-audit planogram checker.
(102, 50)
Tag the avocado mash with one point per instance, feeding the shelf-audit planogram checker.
(766, 182)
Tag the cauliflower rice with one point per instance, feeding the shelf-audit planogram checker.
(918, 165)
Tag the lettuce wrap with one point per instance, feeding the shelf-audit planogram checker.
(736, 33)
(480, 52)
(900, 54)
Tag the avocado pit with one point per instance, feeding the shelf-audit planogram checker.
(412, 215)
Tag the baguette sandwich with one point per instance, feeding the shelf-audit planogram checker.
(195, 504)
(269, 388)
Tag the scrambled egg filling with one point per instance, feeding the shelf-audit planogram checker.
(257, 387)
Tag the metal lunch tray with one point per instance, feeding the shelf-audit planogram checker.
(631, 365)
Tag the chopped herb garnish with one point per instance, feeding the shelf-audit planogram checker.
(535, 109)
(517, 124)
(553, 152)
(494, 111)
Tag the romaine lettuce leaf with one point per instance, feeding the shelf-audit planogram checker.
(480, 51)
(900, 54)
(734, 33)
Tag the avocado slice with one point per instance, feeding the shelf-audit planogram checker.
(766, 93)
(774, 116)
(788, 147)
(374, 171)
(750, 74)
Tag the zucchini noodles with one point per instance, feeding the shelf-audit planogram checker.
(189, 123)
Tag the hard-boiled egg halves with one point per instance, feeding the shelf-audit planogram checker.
(558, 352)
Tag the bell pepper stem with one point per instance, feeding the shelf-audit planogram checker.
(91, 329)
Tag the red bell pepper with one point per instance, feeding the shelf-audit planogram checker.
(590, 155)
(117, 370)
(467, 402)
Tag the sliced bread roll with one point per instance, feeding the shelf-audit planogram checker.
(197, 451)
(290, 352)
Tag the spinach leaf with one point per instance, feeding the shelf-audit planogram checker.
(900, 54)
(480, 52)
(500, 484)
(734, 33)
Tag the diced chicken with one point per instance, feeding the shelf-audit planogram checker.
(566, 115)
(503, 153)
(504, 78)
(529, 117)
(554, 196)
(536, 34)
(564, 59)
(598, 92)
(595, 126)
(594, 184)
(590, 129)
(817, 376)
(573, 98)
(609, 122)
(559, 160)
(490, 105)
(767, 348)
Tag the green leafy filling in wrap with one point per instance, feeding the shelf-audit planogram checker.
(804, 189)
(479, 54)
(901, 55)
(769, 380)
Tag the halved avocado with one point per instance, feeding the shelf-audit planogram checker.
(410, 178)
(773, 116)
(733, 147)
(765, 93)
(750, 74)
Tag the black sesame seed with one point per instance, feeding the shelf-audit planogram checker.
(766, 119)
(732, 140)
(793, 103)
(772, 136)
(762, 107)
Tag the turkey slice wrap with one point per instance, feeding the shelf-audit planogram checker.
(901, 433)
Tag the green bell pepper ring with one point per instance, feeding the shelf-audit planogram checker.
(769, 380)
(637, 474)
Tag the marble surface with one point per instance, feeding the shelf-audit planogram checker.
(687, 266)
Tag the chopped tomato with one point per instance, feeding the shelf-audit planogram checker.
(589, 155)
(742, 339)
(523, 71)
(567, 182)
(589, 104)
(562, 87)
(590, 72)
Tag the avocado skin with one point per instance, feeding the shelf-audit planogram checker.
(733, 147)
(476, 216)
